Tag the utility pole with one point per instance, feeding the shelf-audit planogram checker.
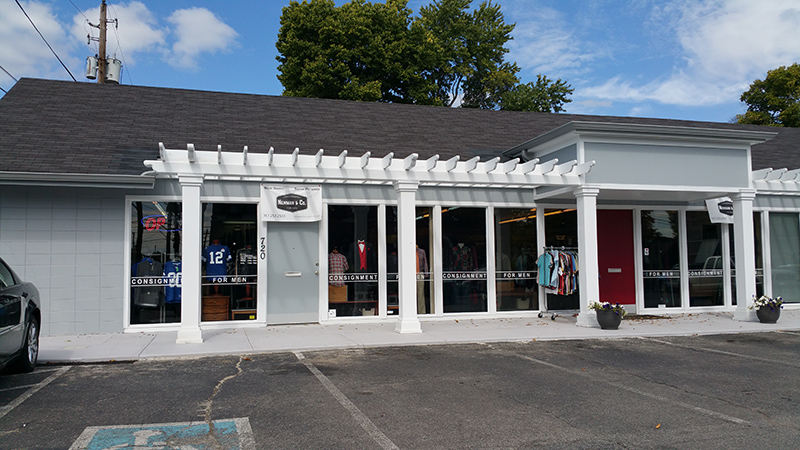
(101, 58)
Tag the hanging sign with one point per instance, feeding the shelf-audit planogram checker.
(720, 210)
(286, 203)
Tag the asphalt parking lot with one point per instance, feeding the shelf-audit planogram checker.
(737, 391)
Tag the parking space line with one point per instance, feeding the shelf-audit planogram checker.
(360, 418)
(17, 401)
(698, 409)
(722, 352)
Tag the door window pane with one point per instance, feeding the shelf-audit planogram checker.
(784, 236)
(156, 280)
(352, 260)
(464, 259)
(561, 240)
(661, 259)
(515, 254)
(704, 245)
(230, 262)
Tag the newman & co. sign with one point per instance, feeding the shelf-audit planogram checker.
(286, 203)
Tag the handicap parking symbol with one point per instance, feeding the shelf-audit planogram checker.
(230, 434)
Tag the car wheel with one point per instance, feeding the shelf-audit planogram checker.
(30, 349)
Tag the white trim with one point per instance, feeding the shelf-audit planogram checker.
(491, 262)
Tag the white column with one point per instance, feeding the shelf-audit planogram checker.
(192, 220)
(406, 257)
(588, 267)
(744, 246)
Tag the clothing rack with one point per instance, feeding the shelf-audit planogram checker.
(562, 248)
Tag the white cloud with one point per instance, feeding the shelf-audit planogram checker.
(544, 41)
(725, 46)
(198, 31)
(138, 30)
(23, 53)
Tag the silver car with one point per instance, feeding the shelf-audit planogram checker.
(20, 318)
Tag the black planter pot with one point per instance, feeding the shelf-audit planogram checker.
(608, 319)
(767, 314)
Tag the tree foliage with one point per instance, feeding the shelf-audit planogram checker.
(448, 55)
(774, 100)
(543, 95)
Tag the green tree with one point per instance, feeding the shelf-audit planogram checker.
(448, 55)
(774, 100)
(359, 51)
(470, 46)
(543, 95)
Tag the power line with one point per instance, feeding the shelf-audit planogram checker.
(45, 40)
(12, 76)
(119, 45)
(79, 10)
(1, 89)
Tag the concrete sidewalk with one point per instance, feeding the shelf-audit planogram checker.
(135, 346)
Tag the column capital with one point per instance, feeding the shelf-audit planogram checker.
(587, 191)
(744, 195)
(190, 180)
(406, 186)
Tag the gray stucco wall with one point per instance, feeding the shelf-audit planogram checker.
(666, 165)
(70, 243)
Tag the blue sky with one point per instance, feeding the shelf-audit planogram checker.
(681, 59)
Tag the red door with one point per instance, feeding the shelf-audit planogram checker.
(615, 256)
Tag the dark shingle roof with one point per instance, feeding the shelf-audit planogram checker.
(67, 127)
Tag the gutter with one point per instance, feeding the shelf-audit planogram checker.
(143, 181)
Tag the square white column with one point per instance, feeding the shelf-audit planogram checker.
(745, 250)
(406, 257)
(588, 267)
(191, 298)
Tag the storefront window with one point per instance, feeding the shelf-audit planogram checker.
(464, 259)
(230, 262)
(661, 259)
(560, 256)
(353, 260)
(424, 261)
(706, 275)
(155, 262)
(515, 247)
(784, 235)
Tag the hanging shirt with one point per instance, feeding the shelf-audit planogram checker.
(172, 290)
(337, 265)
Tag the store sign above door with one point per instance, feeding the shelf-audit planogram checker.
(288, 203)
(720, 210)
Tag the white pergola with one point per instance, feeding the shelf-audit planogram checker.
(193, 167)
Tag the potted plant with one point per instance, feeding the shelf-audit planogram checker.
(609, 316)
(768, 309)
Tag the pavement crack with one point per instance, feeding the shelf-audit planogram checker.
(209, 403)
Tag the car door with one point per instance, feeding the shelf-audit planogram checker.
(10, 313)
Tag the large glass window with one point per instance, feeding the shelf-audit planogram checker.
(353, 260)
(464, 259)
(424, 260)
(661, 259)
(784, 236)
(561, 259)
(230, 261)
(515, 255)
(704, 245)
(155, 262)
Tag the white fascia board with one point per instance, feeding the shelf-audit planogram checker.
(768, 187)
(144, 181)
(619, 132)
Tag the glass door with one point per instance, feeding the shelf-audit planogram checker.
(661, 259)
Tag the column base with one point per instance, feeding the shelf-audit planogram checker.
(408, 326)
(745, 315)
(189, 336)
(588, 320)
